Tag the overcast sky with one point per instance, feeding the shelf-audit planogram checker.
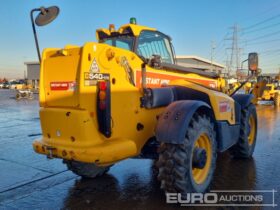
(193, 25)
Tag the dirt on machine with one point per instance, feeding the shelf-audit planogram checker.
(124, 96)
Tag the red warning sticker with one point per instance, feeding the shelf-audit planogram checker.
(63, 86)
(224, 106)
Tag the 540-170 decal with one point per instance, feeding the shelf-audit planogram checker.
(92, 78)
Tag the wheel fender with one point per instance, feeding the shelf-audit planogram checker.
(174, 121)
(243, 99)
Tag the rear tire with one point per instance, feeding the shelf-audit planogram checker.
(86, 170)
(177, 173)
(276, 99)
(245, 146)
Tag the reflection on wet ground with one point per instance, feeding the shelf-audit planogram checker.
(30, 181)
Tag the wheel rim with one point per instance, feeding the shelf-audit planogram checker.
(252, 130)
(200, 175)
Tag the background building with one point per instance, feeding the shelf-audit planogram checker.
(33, 73)
(192, 61)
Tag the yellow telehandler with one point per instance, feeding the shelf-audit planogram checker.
(124, 96)
(266, 89)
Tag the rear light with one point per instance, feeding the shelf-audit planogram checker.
(102, 85)
(104, 107)
(102, 95)
(112, 28)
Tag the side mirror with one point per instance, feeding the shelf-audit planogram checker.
(46, 15)
(155, 61)
(253, 62)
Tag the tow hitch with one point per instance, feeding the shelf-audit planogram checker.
(50, 151)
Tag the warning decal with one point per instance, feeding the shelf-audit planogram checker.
(67, 86)
(158, 80)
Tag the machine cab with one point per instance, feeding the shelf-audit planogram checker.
(144, 41)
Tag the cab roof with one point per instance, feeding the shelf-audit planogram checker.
(127, 29)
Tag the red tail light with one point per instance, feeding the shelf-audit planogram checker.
(102, 85)
(104, 107)
(102, 94)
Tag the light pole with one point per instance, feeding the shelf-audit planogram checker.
(45, 16)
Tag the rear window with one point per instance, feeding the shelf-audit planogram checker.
(120, 42)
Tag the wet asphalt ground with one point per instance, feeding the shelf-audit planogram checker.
(30, 181)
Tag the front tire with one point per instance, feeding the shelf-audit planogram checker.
(179, 170)
(245, 146)
(86, 170)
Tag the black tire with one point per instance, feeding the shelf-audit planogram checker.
(86, 170)
(276, 99)
(245, 146)
(176, 160)
(30, 95)
(18, 96)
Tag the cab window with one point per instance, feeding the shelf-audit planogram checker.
(125, 42)
(155, 43)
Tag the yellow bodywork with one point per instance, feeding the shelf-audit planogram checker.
(233, 87)
(269, 92)
(248, 87)
(68, 103)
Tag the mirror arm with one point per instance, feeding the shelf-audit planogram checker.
(242, 84)
(243, 63)
(34, 32)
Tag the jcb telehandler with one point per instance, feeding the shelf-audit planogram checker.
(266, 89)
(124, 96)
